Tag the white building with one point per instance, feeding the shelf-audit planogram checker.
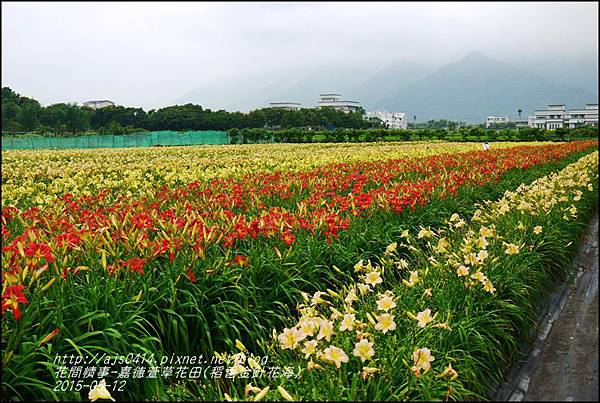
(557, 116)
(290, 106)
(490, 120)
(98, 104)
(336, 102)
(587, 116)
(393, 120)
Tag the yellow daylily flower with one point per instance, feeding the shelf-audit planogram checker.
(347, 322)
(511, 249)
(351, 297)
(385, 323)
(325, 330)
(486, 232)
(335, 355)
(363, 288)
(402, 264)
(358, 267)
(306, 327)
(413, 279)
(364, 350)
(317, 298)
(460, 223)
(100, 392)
(479, 276)
(368, 372)
(425, 233)
(462, 271)
(373, 278)
(422, 360)
(290, 338)
(385, 303)
(449, 371)
(482, 255)
(424, 317)
(391, 248)
(310, 348)
(488, 287)
(335, 314)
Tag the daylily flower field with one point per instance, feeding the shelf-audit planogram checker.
(358, 271)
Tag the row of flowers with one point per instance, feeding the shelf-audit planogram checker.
(73, 235)
(37, 177)
(397, 304)
(70, 235)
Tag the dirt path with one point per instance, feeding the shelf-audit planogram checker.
(562, 364)
(568, 365)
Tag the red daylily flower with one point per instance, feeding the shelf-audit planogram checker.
(241, 260)
(288, 237)
(12, 297)
(135, 264)
(39, 250)
(69, 239)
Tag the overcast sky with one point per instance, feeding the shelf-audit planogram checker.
(149, 54)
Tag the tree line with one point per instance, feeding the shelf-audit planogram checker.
(23, 114)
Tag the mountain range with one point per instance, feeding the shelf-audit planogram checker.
(467, 90)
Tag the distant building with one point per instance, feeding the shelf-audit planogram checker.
(290, 106)
(98, 104)
(551, 118)
(520, 123)
(557, 116)
(491, 120)
(336, 102)
(393, 120)
(587, 116)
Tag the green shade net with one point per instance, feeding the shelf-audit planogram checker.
(145, 139)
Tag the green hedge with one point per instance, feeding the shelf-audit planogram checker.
(474, 133)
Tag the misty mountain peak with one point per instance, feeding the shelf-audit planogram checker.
(475, 55)
(477, 86)
(476, 60)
